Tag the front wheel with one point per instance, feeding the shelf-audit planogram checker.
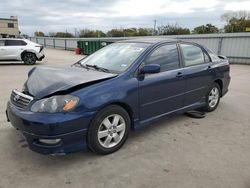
(109, 130)
(213, 97)
(29, 58)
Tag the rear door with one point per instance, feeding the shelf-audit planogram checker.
(198, 72)
(13, 49)
(162, 92)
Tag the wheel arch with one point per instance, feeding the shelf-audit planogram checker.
(220, 83)
(27, 51)
(126, 107)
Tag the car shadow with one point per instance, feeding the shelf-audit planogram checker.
(12, 62)
(87, 157)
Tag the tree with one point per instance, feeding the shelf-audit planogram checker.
(52, 34)
(91, 33)
(236, 21)
(203, 29)
(39, 34)
(145, 31)
(100, 33)
(87, 33)
(173, 29)
(115, 33)
(64, 34)
(130, 32)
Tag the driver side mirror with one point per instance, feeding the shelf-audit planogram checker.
(150, 69)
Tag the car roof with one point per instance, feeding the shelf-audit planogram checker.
(151, 40)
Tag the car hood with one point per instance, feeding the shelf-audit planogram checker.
(45, 81)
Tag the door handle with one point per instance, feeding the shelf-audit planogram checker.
(179, 75)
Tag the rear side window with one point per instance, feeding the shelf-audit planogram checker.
(166, 56)
(15, 43)
(193, 55)
(212, 55)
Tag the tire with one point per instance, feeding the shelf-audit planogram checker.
(213, 97)
(29, 58)
(106, 136)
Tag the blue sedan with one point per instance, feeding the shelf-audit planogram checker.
(125, 86)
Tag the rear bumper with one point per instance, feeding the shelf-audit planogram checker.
(41, 58)
(70, 129)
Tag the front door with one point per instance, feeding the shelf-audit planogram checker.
(163, 92)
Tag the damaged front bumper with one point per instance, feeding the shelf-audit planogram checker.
(56, 134)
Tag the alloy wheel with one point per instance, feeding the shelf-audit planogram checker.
(111, 131)
(213, 97)
(29, 58)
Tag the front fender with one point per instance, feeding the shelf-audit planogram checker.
(118, 90)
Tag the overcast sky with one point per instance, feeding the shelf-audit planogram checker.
(62, 15)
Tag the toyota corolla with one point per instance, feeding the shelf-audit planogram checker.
(96, 102)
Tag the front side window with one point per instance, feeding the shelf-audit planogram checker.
(166, 56)
(192, 55)
(15, 43)
(116, 57)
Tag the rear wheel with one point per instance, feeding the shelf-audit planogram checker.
(109, 130)
(213, 97)
(29, 58)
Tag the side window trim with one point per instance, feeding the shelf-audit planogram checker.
(181, 61)
(205, 54)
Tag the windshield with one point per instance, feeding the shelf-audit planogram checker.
(116, 57)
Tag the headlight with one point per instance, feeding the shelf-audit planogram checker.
(59, 103)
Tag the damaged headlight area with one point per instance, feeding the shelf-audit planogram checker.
(59, 103)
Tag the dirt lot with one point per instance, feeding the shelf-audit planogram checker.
(178, 152)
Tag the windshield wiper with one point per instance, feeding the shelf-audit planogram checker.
(81, 65)
(97, 67)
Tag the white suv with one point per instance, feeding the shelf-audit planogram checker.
(21, 49)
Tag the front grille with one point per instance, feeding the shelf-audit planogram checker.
(19, 99)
